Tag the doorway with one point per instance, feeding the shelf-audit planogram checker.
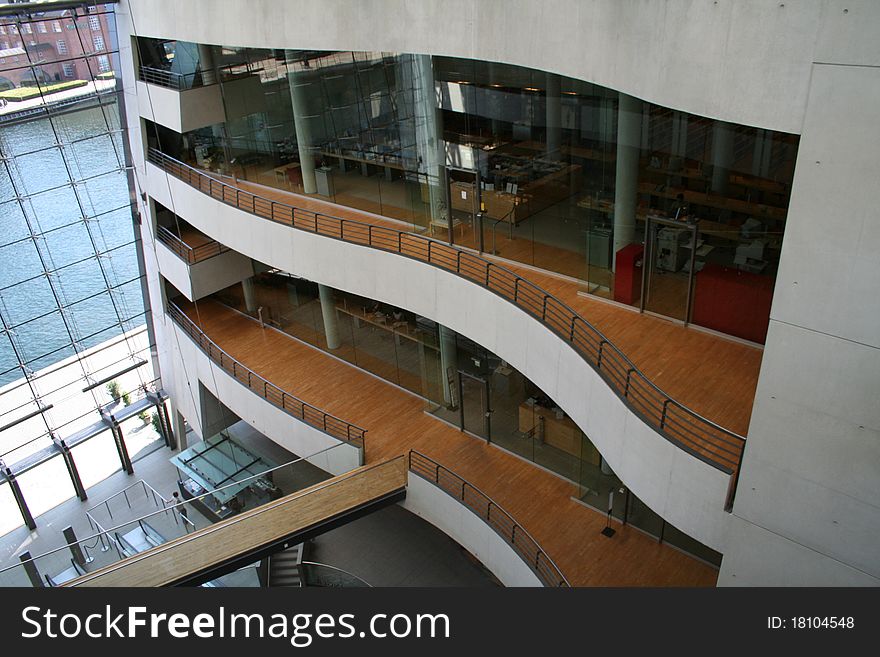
(475, 412)
(668, 275)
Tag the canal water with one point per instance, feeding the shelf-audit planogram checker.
(92, 264)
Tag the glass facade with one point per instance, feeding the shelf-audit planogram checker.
(71, 296)
(674, 213)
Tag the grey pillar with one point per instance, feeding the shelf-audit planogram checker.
(206, 64)
(74, 546)
(71, 468)
(761, 154)
(429, 135)
(629, 132)
(448, 363)
(722, 156)
(495, 99)
(554, 117)
(328, 312)
(31, 569)
(178, 426)
(250, 295)
(122, 448)
(19, 497)
(300, 92)
(293, 295)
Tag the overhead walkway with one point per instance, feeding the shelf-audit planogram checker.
(221, 548)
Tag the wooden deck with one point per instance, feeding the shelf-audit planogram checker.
(710, 374)
(396, 422)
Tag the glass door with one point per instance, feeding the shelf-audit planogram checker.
(669, 267)
(474, 410)
(465, 198)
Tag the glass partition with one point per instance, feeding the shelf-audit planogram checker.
(567, 171)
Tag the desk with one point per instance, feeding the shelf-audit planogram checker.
(392, 162)
(400, 328)
(443, 224)
(561, 433)
(718, 202)
(499, 205)
(285, 174)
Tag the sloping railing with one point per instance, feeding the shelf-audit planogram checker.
(688, 430)
(497, 518)
(329, 424)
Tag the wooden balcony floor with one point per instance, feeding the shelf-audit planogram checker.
(396, 422)
(712, 375)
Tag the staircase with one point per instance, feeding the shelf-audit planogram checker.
(284, 566)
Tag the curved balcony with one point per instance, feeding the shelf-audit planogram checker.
(500, 521)
(690, 433)
(197, 265)
(541, 502)
(319, 419)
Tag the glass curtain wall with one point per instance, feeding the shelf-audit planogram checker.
(463, 384)
(71, 295)
(570, 172)
(395, 344)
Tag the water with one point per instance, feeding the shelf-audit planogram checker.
(65, 246)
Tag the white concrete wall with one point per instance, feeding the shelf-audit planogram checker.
(181, 111)
(205, 277)
(808, 504)
(745, 61)
(687, 492)
(468, 530)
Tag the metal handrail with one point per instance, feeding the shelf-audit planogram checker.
(140, 482)
(688, 430)
(340, 570)
(497, 518)
(170, 79)
(182, 503)
(311, 415)
(191, 254)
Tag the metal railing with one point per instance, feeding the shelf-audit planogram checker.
(494, 516)
(691, 432)
(105, 536)
(170, 79)
(190, 254)
(315, 417)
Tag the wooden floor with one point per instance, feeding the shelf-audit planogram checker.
(712, 375)
(395, 421)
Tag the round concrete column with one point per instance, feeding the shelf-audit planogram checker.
(448, 362)
(429, 139)
(629, 135)
(328, 312)
(206, 64)
(300, 90)
(250, 295)
(722, 156)
(554, 117)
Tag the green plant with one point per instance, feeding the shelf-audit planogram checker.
(157, 425)
(126, 398)
(113, 390)
(144, 416)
